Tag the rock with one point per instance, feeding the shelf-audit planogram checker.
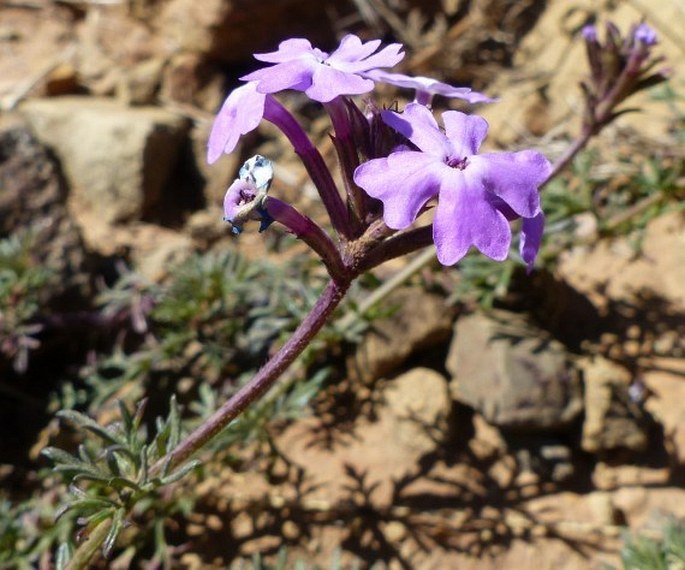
(612, 419)
(140, 83)
(419, 403)
(25, 59)
(232, 31)
(555, 52)
(512, 374)
(664, 380)
(113, 49)
(116, 159)
(189, 79)
(559, 460)
(409, 424)
(614, 267)
(420, 321)
(152, 250)
(33, 198)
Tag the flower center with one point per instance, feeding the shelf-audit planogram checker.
(245, 197)
(458, 163)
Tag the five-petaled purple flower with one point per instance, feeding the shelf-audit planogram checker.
(299, 66)
(323, 76)
(477, 193)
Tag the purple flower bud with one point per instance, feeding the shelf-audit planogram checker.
(239, 204)
(644, 34)
(244, 199)
(589, 33)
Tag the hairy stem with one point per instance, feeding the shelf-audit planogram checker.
(83, 557)
(396, 246)
(309, 232)
(570, 153)
(265, 378)
(321, 176)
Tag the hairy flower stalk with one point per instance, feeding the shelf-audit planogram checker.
(266, 377)
(619, 68)
(321, 176)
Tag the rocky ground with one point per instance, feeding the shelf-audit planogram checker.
(535, 434)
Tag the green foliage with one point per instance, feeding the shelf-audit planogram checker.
(217, 318)
(667, 93)
(22, 286)
(642, 553)
(201, 335)
(116, 474)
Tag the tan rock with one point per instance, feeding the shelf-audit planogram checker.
(153, 249)
(113, 50)
(419, 403)
(117, 160)
(512, 374)
(232, 31)
(420, 320)
(612, 420)
(409, 425)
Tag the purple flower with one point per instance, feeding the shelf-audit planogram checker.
(427, 87)
(477, 193)
(323, 76)
(241, 113)
(589, 33)
(244, 199)
(643, 33)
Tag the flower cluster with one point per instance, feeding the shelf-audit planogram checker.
(619, 67)
(406, 163)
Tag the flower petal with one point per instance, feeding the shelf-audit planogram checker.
(404, 182)
(465, 217)
(513, 176)
(294, 74)
(351, 49)
(298, 65)
(239, 193)
(418, 125)
(288, 50)
(388, 57)
(328, 83)
(531, 237)
(241, 113)
(465, 132)
(427, 86)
